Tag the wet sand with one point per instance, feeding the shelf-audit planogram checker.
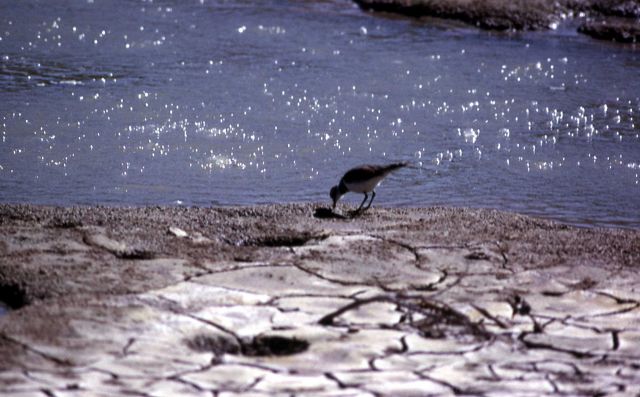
(271, 300)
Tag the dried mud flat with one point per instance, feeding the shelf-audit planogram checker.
(272, 301)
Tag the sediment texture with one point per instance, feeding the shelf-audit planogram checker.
(274, 301)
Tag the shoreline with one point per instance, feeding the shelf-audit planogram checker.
(271, 300)
(611, 20)
(566, 220)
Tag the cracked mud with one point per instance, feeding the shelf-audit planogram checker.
(274, 301)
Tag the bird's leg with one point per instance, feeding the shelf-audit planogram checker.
(366, 196)
(373, 195)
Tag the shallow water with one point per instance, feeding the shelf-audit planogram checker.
(245, 102)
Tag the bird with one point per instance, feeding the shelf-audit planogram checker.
(362, 179)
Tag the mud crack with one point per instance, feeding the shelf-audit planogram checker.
(432, 319)
(258, 346)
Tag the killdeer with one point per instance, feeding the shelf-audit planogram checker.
(363, 179)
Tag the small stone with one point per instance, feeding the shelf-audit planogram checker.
(176, 231)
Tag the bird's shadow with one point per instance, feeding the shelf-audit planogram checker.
(328, 213)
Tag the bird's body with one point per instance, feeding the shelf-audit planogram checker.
(363, 179)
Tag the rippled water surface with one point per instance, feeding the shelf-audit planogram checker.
(242, 102)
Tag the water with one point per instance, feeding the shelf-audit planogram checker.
(243, 102)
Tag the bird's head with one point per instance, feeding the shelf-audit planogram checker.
(335, 195)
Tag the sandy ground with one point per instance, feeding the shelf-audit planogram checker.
(272, 300)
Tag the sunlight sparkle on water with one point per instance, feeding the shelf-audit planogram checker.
(220, 102)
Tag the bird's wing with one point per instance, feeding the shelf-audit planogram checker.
(366, 177)
(371, 171)
(363, 172)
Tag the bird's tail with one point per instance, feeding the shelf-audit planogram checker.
(395, 166)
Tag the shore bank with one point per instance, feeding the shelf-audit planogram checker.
(271, 300)
(616, 20)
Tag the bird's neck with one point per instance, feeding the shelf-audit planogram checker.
(342, 188)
